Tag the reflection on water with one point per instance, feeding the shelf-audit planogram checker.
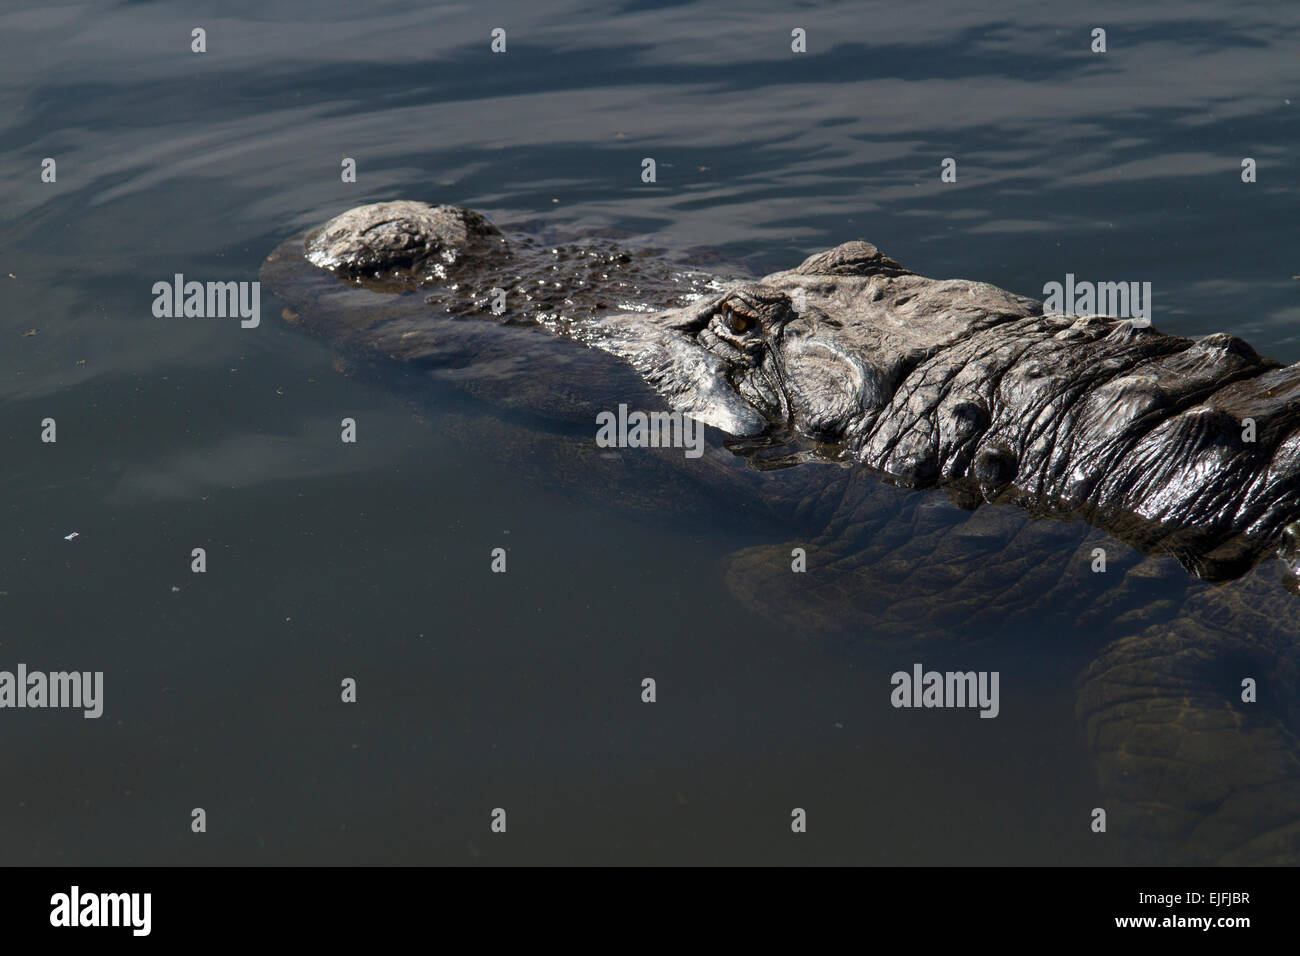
(477, 691)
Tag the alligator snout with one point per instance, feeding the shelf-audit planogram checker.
(374, 240)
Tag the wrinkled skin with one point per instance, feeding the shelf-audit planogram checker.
(879, 381)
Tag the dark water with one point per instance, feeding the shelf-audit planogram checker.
(327, 561)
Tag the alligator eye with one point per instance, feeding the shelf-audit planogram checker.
(735, 321)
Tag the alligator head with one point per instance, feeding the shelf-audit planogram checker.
(819, 350)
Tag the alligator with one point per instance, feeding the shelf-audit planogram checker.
(1093, 469)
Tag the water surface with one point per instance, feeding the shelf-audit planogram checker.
(522, 691)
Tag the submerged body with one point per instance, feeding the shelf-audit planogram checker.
(1185, 450)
